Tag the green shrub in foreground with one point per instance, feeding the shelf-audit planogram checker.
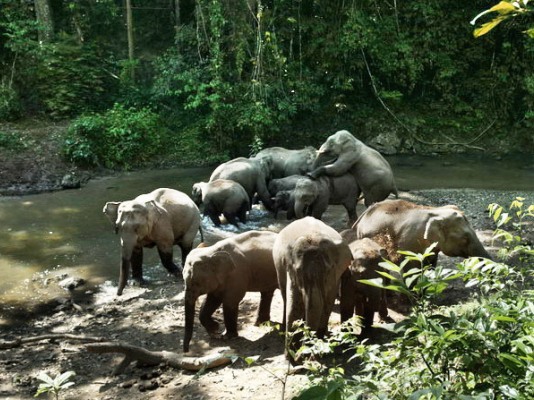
(118, 138)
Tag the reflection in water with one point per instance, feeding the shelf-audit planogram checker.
(67, 232)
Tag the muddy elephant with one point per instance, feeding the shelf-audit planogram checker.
(222, 196)
(312, 196)
(250, 173)
(287, 162)
(362, 299)
(310, 258)
(225, 271)
(162, 218)
(342, 153)
(403, 225)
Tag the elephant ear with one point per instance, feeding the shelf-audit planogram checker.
(111, 210)
(197, 192)
(266, 165)
(434, 229)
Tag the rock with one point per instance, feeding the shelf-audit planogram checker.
(386, 143)
(71, 283)
(71, 181)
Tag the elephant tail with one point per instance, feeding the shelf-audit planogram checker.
(201, 233)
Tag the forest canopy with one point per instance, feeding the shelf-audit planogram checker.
(229, 77)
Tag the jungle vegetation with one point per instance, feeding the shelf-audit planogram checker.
(205, 80)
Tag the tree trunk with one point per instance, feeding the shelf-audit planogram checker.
(43, 13)
(129, 26)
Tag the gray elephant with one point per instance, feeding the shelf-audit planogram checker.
(284, 201)
(252, 174)
(287, 162)
(342, 153)
(222, 196)
(310, 258)
(161, 218)
(312, 197)
(403, 225)
(225, 271)
(362, 299)
(283, 184)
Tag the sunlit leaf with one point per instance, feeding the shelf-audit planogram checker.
(488, 26)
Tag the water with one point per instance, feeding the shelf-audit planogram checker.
(43, 236)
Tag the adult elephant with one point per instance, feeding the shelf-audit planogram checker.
(162, 218)
(310, 258)
(342, 153)
(287, 162)
(403, 225)
(250, 173)
(312, 197)
(222, 196)
(225, 271)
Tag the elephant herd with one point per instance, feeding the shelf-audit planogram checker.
(309, 261)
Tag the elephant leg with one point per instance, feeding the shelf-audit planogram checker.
(137, 265)
(186, 249)
(368, 314)
(351, 211)
(168, 262)
(211, 303)
(230, 310)
(347, 296)
(242, 213)
(264, 310)
(215, 219)
(383, 307)
(231, 218)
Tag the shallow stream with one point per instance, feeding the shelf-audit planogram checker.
(65, 232)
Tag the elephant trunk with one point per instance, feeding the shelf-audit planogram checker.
(123, 275)
(190, 301)
(477, 250)
(316, 310)
(301, 209)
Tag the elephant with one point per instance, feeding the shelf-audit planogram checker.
(310, 258)
(284, 200)
(161, 218)
(342, 153)
(225, 271)
(283, 184)
(312, 197)
(252, 174)
(222, 196)
(364, 299)
(287, 162)
(403, 225)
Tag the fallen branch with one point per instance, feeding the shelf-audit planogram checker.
(11, 344)
(175, 360)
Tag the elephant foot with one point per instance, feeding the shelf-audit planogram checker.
(211, 326)
(229, 335)
(139, 282)
(260, 321)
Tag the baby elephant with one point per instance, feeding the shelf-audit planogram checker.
(362, 298)
(222, 196)
(225, 271)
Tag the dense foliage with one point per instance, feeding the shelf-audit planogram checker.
(231, 74)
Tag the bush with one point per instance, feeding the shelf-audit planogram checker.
(10, 107)
(118, 138)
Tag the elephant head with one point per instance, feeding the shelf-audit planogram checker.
(317, 270)
(305, 194)
(196, 193)
(204, 272)
(449, 227)
(335, 145)
(134, 221)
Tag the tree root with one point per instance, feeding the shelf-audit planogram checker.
(175, 360)
(12, 344)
